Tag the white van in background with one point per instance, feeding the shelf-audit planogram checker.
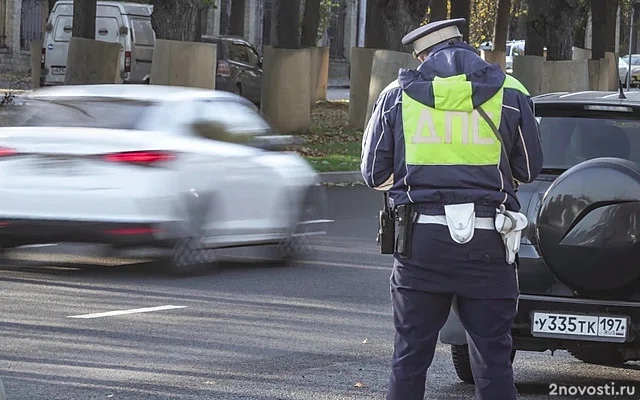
(126, 23)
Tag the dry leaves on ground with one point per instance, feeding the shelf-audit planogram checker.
(329, 129)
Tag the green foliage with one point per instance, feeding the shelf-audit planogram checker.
(326, 11)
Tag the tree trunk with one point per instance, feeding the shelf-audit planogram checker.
(462, 9)
(517, 20)
(501, 27)
(535, 29)
(610, 26)
(438, 10)
(175, 19)
(559, 22)
(580, 24)
(201, 23)
(288, 24)
(636, 25)
(375, 30)
(310, 23)
(599, 19)
(401, 16)
(84, 19)
(236, 20)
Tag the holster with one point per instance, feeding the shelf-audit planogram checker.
(405, 217)
(386, 231)
(386, 228)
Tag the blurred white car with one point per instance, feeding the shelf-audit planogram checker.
(145, 166)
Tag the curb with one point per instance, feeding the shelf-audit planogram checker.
(335, 178)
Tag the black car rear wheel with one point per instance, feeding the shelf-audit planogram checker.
(598, 356)
(462, 362)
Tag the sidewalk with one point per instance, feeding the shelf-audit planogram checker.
(339, 83)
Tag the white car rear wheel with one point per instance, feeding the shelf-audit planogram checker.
(300, 240)
(190, 253)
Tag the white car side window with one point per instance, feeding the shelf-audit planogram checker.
(237, 118)
(170, 116)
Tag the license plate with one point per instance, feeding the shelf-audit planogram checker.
(58, 70)
(581, 327)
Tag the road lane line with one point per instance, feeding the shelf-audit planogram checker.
(315, 262)
(124, 312)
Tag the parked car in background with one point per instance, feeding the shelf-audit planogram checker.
(128, 24)
(623, 69)
(514, 48)
(239, 68)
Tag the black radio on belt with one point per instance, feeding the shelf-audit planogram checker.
(386, 228)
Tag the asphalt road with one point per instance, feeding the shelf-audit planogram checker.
(309, 331)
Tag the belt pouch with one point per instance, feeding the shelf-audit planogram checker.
(461, 220)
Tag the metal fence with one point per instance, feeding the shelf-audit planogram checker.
(225, 13)
(267, 30)
(32, 21)
(336, 30)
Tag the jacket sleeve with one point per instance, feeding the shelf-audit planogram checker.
(526, 156)
(377, 146)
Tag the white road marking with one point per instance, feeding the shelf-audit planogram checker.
(124, 312)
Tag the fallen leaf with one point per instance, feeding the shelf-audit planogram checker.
(360, 385)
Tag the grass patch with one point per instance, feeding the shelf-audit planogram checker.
(331, 145)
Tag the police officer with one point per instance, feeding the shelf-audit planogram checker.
(451, 140)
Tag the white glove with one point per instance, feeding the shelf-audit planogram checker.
(510, 225)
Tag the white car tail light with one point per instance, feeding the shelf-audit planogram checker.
(147, 157)
(7, 151)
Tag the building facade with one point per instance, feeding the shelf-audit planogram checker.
(21, 22)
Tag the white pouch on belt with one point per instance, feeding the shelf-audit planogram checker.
(510, 225)
(461, 220)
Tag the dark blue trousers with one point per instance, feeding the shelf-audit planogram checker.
(422, 289)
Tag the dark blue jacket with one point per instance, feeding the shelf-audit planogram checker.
(431, 187)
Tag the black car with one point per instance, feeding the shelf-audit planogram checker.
(239, 68)
(579, 260)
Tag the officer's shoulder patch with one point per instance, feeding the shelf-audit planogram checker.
(512, 83)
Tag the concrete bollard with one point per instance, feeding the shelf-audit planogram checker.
(319, 73)
(612, 70)
(360, 77)
(565, 76)
(384, 70)
(285, 99)
(36, 63)
(580, 54)
(91, 62)
(189, 64)
(528, 70)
